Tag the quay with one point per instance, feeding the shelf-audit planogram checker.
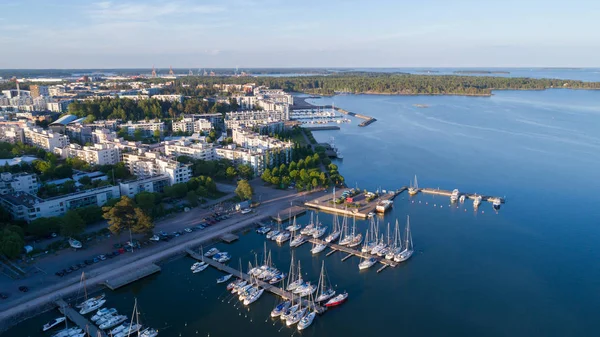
(127, 278)
(266, 286)
(360, 207)
(75, 317)
(367, 119)
(353, 252)
(321, 128)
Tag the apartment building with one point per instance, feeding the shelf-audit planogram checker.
(20, 182)
(44, 139)
(97, 154)
(155, 184)
(148, 128)
(191, 125)
(150, 164)
(197, 150)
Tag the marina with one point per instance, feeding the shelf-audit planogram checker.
(264, 285)
(352, 252)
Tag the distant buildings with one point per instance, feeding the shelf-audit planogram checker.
(237, 119)
(150, 164)
(198, 150)
(154, 184)
(20, 182)
(39, 90)
(44, 139)
(147, 128)
(97, 154)
(191, 125)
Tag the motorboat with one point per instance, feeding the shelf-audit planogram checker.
(255, 296)
(280, 308)
(90, 300)
(211, 252)
(91, 306)
(332, 237)
(114, 321)
(295, 317)
(103, 312)
(272, 234)
(496, 203)
(477, 201)
(454, 196)
(298, 241)
(149, 332)
(201, 268)
(263, 230)
(69, 332)
(306, 321)
(224, 278)
(368, 263)
(53, 323)
(105, 318)
(74, 243)
(462, 198)
(222, 257)
(339, 299)
(197, 265)
(130, 329)
(318, 248)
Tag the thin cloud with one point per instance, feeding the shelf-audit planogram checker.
(109, 11)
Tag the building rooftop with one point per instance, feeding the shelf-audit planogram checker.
(64, 120)
(21, 199)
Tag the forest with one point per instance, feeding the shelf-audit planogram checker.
(401, 84)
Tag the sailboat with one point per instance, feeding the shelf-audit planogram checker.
(335, 231)
(298, 282)
(476, 201)
(309, 228)
(306, 321)
(290, 311)
(396, 247)
(455, 195)
(323, 293)
(366, 263)
(87, 300)
(296, 316)
(339, 299)
(413, 189)
(408, 245)
(294, 226)
(280, 308)
(125, 330)
(67, 332)
(317, 248)
(345, 238)
(356, 238)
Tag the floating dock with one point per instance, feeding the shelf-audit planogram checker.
(137, 274)
(229, 237)
(266, 286)
(437, 191)
(353, 252)
(74, 316)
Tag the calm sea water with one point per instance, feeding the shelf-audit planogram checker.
(529, 270)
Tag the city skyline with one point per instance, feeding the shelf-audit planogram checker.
(272, 33)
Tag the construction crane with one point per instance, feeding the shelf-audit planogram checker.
(153, 71)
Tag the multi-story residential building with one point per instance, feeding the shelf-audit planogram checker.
(197, 150)
(38, 90)
(45, 139)
(11, 133)
(103, 135)
(56, 90)
(59, 106)
(147, 127)
(191, 125)
(154, 184)
(150, 164)
(255, 158)
(252, 140)
(254, 118)
(169, 98)
(21, 182)
(28, 207)
(79, 132)
(215, 119)
(97, 154)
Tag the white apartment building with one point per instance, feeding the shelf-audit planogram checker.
(59, 106)
(28, 207)
(191, 125)
(255, 158)
(150, 164)
(147, 127)
(56, 90)
(21, 182)
(169, 98)
(45, 139)
(248, 139)
(97, 154)
(237, 119)
(155, 184)
(200, 150)
(11, 133)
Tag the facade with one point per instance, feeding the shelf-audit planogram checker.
(254, 158)
(155, 184)
(251, 140)
(59, 106)
(190, 125)
(199, 150)
(44, 139)
(148, 128)
(28, 207)
(38, 90)
(169, 98)
(150, 164)
(97, 154)
(238, 119)
(21, 182)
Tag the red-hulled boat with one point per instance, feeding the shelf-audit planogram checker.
(339, 299)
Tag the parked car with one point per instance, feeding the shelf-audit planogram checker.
(246, 210)
(88, 262)
(82, 265)
(188, 230)
(60, 273)
(96, 260)
(68, 270)
(155, 238)
(3, 296)
(75, 267)
(102, 257)
(176, 234)
(23, 289)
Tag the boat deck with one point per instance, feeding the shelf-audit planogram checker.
(74, 316)
(266, 286)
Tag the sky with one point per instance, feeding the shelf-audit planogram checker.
(288, 33)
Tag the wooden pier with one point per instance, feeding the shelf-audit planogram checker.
(353, 252)
(266, 286)
(446, 193)
(134, 275)
(74, 316)
(289, 213)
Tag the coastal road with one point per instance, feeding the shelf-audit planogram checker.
(15, 308)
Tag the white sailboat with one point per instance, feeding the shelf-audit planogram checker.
(335, 231)
(297, 282)
(356, 238)
(324, 292)
(396, 247)
(317, 248)
(414, 187)
(408, 245)
(307, 320)
(345, 237)
(476, 201)
(309, 228)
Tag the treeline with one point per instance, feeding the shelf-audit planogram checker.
(145, 109)
(304, 174)
(10, 150)
(405, 84)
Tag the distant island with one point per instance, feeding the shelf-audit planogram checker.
(466, 72)
(427, 71)
(421, 105)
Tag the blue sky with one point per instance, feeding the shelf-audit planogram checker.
(287, 33)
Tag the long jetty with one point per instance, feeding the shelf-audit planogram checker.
(367, 119)
(437, 191)
(353, 252)
(266, 286)
(75, 317)
(137, 274)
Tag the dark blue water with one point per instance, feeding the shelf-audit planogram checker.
(529, 270)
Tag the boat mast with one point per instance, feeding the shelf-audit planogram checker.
(84, 285)
(407, 238)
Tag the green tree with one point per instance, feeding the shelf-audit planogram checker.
(44, 226)
(11, 243)
(143, 223)
(146, 201)
(231, 172)
(244, 190)
(138, 134)
(266, 176)
(246, 171)
(90, 214)
(121, 216)
(192, 198)
(72, 224)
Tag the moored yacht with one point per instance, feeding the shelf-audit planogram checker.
(298, 241)
(368, 263)
(211, 252)
(224, 278)
(91, 306)
(295, 317)
(114, 321)
(318, 248)
(414, 187)
(332, 237)
(53, 323)
(280, 308)
(496, 203)
(319, 231)
(356, 240)
(408, 245)
(339, 299)
(282, 237)
(306, 321)
(455, 195)
(103, 312)
(477, 201)
(462, 198)
(149, 332)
